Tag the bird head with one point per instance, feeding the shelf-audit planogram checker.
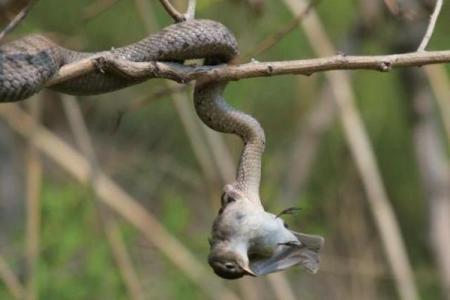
(229, 262)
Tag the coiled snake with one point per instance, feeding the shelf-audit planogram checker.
(28, 63)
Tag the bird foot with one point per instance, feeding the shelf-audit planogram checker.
(291, 244)
(288, 211)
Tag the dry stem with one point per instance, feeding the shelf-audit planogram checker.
(277, 36)
(116, 198)
(10, 280)
(17, 19)
(33, 166)
(184, 74)
(108, 220)
(172, 11)
(361, 149)
(190, 11)
(431, 24)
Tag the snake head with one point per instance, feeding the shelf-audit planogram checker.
(231, 194)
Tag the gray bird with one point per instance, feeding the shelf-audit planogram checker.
(246, 240)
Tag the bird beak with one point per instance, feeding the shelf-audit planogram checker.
(248, 271)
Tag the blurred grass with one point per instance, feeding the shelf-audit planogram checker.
(76, 262)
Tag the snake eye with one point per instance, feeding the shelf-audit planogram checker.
(226, 199)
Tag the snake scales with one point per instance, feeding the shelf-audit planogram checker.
(28, 63)
(246, 240)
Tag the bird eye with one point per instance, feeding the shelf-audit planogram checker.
(229, 266)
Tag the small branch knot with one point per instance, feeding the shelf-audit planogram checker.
(385, 66)
(100, 64)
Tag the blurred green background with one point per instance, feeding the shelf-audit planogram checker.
(143, 141)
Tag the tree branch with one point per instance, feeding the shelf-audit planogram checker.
(364, 158)
(277, 36)
(431, 24)
(392, 5)
(183, 74)
(172, 11)
(107, 220)
(17, 19)
(190, 11)
(117, 199)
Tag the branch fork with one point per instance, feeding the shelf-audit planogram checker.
(140, 71)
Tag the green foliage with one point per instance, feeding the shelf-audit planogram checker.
(175, 215)
(76, 260)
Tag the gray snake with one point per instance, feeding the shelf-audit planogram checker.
(28, 63)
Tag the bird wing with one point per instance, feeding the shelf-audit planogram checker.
(306, 254)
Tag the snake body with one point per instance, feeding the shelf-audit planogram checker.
(220, 116)
(28, 63)
(242, 227)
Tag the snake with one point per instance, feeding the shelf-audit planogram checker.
(28, 63)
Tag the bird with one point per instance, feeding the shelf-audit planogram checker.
(247, 240)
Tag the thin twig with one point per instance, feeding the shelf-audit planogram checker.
(440, 84)
(216, 158)
(108, 221)
(208, 147)
(223, 160)
(363, 154)
(256, 5)
(184, 74)
(431, 24)
(435, 175)
(392, 5)
(97, 8)
(17, 19)
(123, 259)
(10, 280)
(200, 143)
(190, 11)
(248, 290)
(281, 287)
(140, 102)
(310, 130)
(184, 110)
(172, 11)
(117, 199)
(276, 37)
(196, 140)
(33, 203)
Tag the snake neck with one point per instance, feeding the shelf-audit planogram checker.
(217, 114)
